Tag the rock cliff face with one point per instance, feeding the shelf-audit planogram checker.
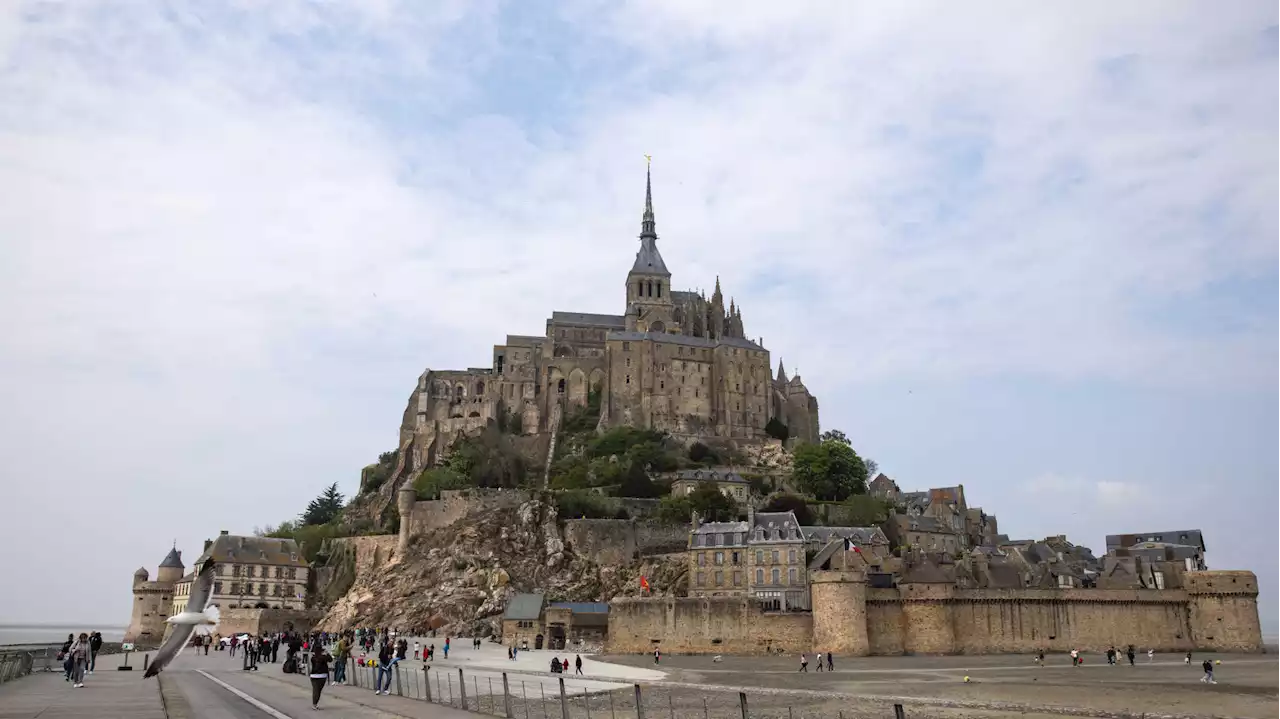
(458, 578)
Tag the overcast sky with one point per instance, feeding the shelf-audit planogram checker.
(1026, 247)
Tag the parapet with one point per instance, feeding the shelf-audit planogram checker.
(1221, 581)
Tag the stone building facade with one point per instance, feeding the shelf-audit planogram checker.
(251, 571)
(673, 360)
(153, 600)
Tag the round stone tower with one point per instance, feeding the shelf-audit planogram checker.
(840, 612)
(404, 501)
(1224, 610)
(172, 568)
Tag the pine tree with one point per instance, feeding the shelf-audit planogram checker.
(325, 508)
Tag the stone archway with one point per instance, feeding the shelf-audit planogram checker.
(596, 383)
(577, 389)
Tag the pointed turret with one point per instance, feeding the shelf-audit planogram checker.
(782, 371)
(648, 259)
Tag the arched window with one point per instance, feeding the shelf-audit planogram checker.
(648, 288)
(480, 387)
(659, 288)
(560, 386)
(459, 392)
(639, 288)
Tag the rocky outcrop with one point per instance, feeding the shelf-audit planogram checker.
(458, 578)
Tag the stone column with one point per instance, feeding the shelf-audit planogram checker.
(839, 602)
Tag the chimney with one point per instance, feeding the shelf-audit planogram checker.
(223, 533)
(207, 543)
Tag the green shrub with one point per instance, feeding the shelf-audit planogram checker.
(577, 504)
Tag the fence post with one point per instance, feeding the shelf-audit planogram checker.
(426, 675)
(462, 688)
(399, 688)
(564, 701)
(146, 660)
(742, 702)
(639, 707)
(506, 697)
(586, 701)
(899, 712)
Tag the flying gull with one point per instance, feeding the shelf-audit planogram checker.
(197, 615)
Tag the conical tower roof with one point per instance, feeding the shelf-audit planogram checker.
(173, 560)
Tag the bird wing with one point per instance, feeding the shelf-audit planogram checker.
(171, 648)
(201, 588)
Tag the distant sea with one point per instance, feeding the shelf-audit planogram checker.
(53, 633)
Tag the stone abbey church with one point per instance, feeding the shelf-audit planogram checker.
(674, 361)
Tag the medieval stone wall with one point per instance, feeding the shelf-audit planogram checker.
(605, 541)
(1219, 612)
(704, 626)
(454, 504)
(266, 621)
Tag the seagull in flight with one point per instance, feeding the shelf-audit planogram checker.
(197, 616)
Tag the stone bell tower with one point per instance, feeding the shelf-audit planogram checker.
(649, 305)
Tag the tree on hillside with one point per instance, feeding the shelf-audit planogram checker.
(791, 503)
(325, 508)
(432, 481)
(490, 459)
(829, 470)
(636, 483)
(711, 504)
(873, 467)
(835, 435)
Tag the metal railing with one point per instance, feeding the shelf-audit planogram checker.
(513, 695)
(15, 664)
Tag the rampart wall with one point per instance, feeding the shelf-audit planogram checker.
(454, 504)
(621, 541)
(269, 621)
(1217, 611)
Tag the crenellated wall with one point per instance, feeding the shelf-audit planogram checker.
(1217, 611)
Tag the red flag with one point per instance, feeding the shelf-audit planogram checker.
(857, 549)
(644, 583)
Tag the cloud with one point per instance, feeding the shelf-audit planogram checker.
(1118, 493)
(233, 239)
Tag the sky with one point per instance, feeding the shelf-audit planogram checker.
(1029, 248)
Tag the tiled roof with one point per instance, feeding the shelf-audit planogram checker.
(254, 550)
(582, 607)
(718, 527)
(860, 535)
(524, 607)
(686, 340)
(588, 318)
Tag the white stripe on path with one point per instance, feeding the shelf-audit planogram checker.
(242, 695)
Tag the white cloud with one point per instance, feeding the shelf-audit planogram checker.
(199, 213)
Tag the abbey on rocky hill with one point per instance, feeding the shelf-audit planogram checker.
(674, 361)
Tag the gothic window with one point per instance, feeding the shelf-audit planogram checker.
(479, 387)
(648, 288)
(458, 392)
(659, 288)
(560, 387)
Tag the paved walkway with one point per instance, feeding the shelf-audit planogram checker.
(199, 687)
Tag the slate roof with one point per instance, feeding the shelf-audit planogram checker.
(648, 259)
(1193, 537)
(783, 522)
(524, 607)
(254, 550)
(173, 560)
(925, 573)
(581, 607)
(860, 535)
(924, 523)
(588, 318)
(717, 527)
(686, 340)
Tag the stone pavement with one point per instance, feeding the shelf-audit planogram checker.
(199, 687)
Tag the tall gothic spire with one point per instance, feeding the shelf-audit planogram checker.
(648, 228)
(782, 372)
(648, 259)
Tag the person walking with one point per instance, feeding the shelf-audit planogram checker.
(318, 674)
(657, 656)
(577, 664)
(95, 644)
(385, 659)
(340, 661)
(1075, 658)
(446, 647)
(234, 641)
(275, 648)
(1130, 654)
(818, 657)
(1208, 673)
(1187, 660)
(417, 647)
(79, 660)
(1151, 656)
(830, 665)
(65, 654)
(804, 663)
